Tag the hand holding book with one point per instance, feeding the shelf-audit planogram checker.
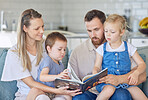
(74, 83)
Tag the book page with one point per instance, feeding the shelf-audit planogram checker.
(72, 74)
(93, 81)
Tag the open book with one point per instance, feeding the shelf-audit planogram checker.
(74, 83)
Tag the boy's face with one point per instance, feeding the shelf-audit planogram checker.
(57, 52)
(112, 32)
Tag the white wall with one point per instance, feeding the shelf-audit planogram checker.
(76, 9)
(72, 12)
(50, 9)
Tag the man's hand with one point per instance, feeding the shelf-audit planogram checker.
(110, 79)
(133, 78)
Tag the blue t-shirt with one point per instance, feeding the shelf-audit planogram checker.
(54, 69)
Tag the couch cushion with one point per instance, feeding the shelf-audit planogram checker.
(143, 51)
(7, 89)
(65, 59)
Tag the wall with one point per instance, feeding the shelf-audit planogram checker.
(50, 9)
(76, 9)
(71, 12)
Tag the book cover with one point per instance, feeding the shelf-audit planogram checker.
(74, 83)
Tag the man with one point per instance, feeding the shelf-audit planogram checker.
(83, 58)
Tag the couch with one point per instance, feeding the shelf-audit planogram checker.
(8, 89)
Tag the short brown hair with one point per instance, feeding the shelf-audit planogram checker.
(95, 14)
(52, 37)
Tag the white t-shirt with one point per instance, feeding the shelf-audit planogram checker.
(131, 50)
(13, 69)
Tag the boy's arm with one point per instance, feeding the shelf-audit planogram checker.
(45, 77)
(98, 63)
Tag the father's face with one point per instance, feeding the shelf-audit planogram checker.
(95, 31)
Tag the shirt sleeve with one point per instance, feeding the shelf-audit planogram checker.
(131, 49)
(100, 50)
(13, 69)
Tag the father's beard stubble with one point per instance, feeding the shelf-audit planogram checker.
(97, 41)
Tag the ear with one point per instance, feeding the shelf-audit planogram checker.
(122, 32)
(49, 49)
(25, 28)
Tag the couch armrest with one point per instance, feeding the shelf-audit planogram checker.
(7, 89)
(145, 87)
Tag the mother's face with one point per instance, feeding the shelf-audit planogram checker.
(35, 30)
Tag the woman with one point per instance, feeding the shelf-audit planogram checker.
(22, 60)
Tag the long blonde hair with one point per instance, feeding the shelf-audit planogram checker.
(25, 18)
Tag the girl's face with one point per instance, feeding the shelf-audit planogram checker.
(57, 51)
(112, 32)
(35, 30)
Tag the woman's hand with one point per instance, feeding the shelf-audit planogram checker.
(64, 91)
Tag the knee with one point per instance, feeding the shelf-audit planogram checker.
(121, 94)
(109, 89)
(33, 93)
(42, 97)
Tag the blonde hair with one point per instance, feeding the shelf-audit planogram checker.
(25, 18)
(114, 18)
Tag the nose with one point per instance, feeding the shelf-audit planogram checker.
(63, 52)
(42, 30)
(93, 33)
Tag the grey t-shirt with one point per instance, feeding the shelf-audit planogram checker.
(54, 69)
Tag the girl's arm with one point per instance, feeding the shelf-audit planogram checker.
(98, 63)
(133, 77)
(120, 79)
(45, 77)
(141, 64)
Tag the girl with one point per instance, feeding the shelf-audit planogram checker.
(115, 55)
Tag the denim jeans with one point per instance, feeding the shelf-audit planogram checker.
(120, 94)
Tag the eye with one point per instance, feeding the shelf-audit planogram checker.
(59, 49)
(96, 29)
(112, 32)
(105, 31)
(37, 28)
(88, 30)
(64, 49)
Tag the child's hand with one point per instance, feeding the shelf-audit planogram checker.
(64, 74)
(133, 78)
